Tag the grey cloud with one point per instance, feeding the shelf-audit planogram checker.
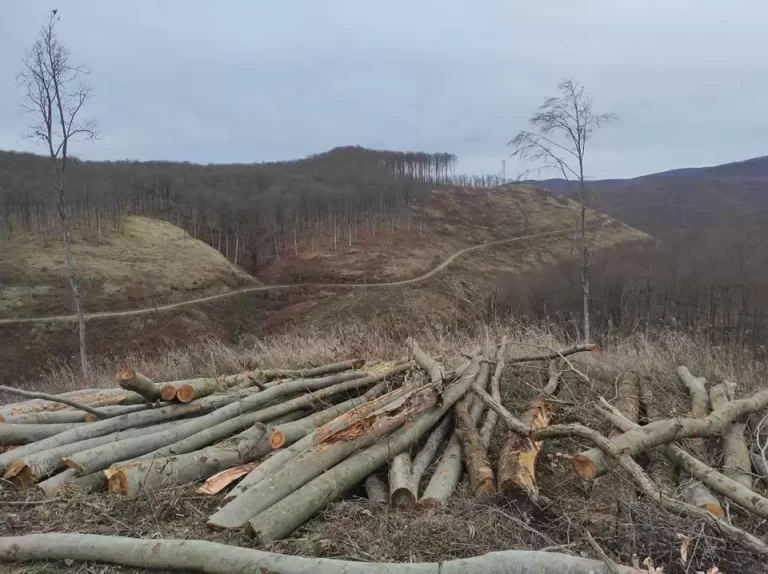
(256, 81)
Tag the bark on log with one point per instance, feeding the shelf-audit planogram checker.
(269, 374)
(25, 471)
(215, 558)
(594, 462)
(720, 526)
(401, 494)
(71, 416)
(376, 490)
(489, 425)
(659, 467)
(447, 474)
(308, 431)
(555, 354)
(16, 434)
(738, 493)
(428, 451)
(761, 465)
(482, 481)
(101, 428)
(692, 490)
(163, 472)
(517, 461)
(325, 454)
(282, 518)
(54, 398)
(198, 388)
(130, 380)
(91, 397)
(736, 459)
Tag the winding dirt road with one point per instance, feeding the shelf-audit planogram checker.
(172, 306)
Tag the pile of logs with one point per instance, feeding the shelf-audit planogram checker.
(287, 442)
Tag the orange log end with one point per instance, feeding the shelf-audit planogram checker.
(277, 439)
(583, 466)
(90, 418)
(358, 364)
(714, 509)
(125, 374)
(185, 393)
(168, 392)
(594, 348)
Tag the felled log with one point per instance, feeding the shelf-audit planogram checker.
(16, 434)
(693, 491)
(215, 558)
(25, 471)
(482, 480)
(160, 472)
(100, 428)
(731, 489)
(555, 354)
(286, 515)
(401, 494)
(269, 374)
(376, 490)
(53, 398)
(736, 459)
(70, 415)
(489, 425)
(90, 397)
(517, 461)
(198, 388)
(594, 462)
(428, 451)
(449, 468)
(325, 454)
(659, 467)
(130, 380)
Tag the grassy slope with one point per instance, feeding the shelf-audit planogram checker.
(149, 262)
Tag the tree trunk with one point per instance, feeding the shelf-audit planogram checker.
(215, 558)
(130, 380)
(292, 511)
(17, 434)
(517, 461)
(736, 459)
(482, 481)
(323, 455)
(198, 388)
(486, 432)
(91, 397)
(376, 490)
(72, 416)
(73, 281)
(401, 493)
(594, 462)
(429, 450)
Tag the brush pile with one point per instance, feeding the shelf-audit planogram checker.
(284, 443)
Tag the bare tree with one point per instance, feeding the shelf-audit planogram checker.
(563, 125)
(55, 95)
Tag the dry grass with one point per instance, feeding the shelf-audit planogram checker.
(354, 529)
(149, 262)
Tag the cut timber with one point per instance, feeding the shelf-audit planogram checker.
(594, 462)
(16, 434)
(489, 425)
(736, 459)
(101, 428)
(401, 494)
(130, 380)
(340, 367)
(164, 472)
(428, 451)
(718, 482)
(376, 490)
(659, 467)
(556, 354)
(481, 478)
(448, 471)
(221, 480)
(71, 416)
(517, 461)
(292, 511)
(326, 453)
(435, 370)
(693, 491)
(198, 388)
(53, 398)
(215, 558)
(23, 472)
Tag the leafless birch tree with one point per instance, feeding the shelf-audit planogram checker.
(562, 126)
(55, 96)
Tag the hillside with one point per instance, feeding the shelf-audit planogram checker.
(727, 195)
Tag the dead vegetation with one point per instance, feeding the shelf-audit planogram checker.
(627, 525)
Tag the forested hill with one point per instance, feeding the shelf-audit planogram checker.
(728, 195)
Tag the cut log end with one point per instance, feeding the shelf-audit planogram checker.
(486, 486)
(117, 482)
(185, 393)
(168, 392)
(584, 466)
(358, 364)
(22, 478)
(277, 439)
(72, 464)
(90, 418)
(403, 498)
(125, 374)
(714, 509)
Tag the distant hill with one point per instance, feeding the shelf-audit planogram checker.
(727, 195)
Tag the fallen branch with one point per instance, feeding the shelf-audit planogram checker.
(507, 418)
(555, 354)
(736, 459)
(401, 493)
(428, 451)
(55, 399)
(489, 425)
(215, 558)
(482, 480)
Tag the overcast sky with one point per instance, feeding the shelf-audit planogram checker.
(242, 81)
